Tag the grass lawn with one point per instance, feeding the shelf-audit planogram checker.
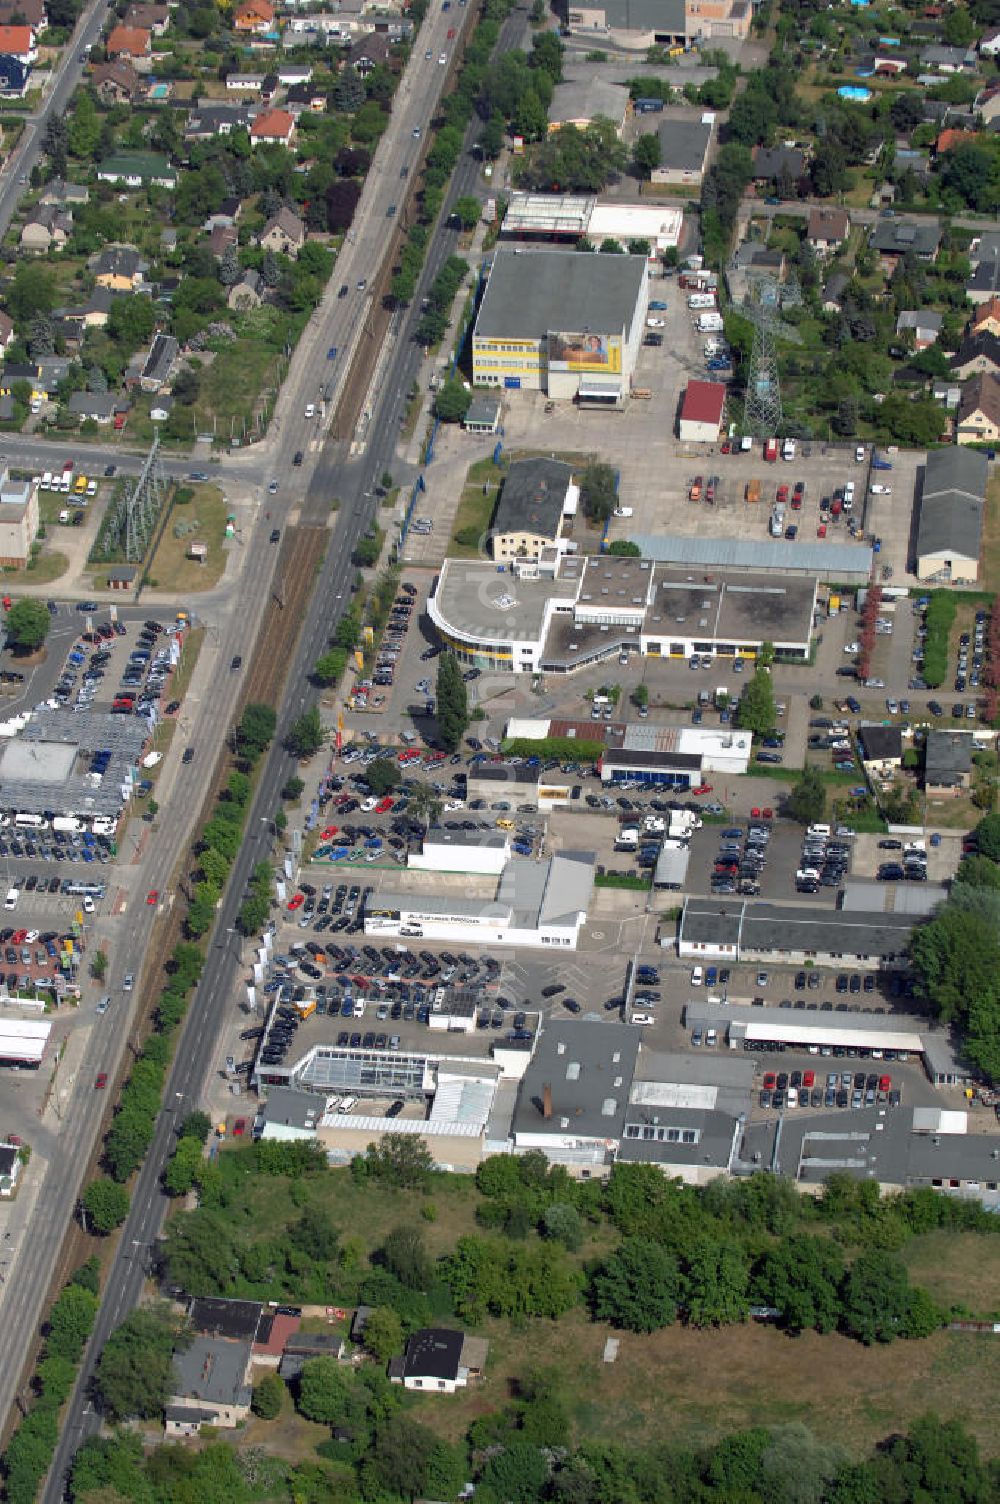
(952, 814)
(475, 509)
(688, 1387)
(989, 575)
(958, 1268)
(169, 566)
(237, 379)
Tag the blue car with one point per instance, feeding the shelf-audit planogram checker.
(711, 976)
(331, 354)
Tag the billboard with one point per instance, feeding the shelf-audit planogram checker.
(600, 353)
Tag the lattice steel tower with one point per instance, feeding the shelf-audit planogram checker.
(138, 505)
(762, 409)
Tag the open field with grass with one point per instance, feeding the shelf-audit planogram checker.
(475, 509)
(682, 1386)
(989, 573)
(959, 1269)
(47, 566)
(203, 520)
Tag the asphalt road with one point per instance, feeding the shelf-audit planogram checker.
(334, 322)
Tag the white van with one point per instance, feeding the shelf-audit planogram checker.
(31, 822)
(10, 902)
(310, 410)
(788, 449)
(359, 1007)
(643, 1018)
(711, 1039)
(701, 300)
(697, 976)
(47, 480)
(347, 1105)
(819, 830)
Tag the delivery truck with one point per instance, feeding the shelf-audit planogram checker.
(753, 491)
(710, 323)
(771, 451)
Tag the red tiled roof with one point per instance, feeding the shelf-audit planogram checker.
(273, 123)
(15, 39)
(703, 402)
(274, 1331)
(130, 39)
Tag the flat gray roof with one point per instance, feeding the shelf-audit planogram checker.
(583, 98)
(714, 1136)
(776, 928)
(474, 599)
(753, 608)
(213, 1369)
(952, 503)
(530, 292)
(947, 753)
(645, 15)
(827, 559)
(588, 1068)
(45, 768)
(491, 838)
(684, 143)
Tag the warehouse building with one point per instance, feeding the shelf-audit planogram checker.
(538, 904)
(482, 851)
(748, 931)
(950, 527)
(22, 1042)
(676, 755)
(570, 612)
(848, 563)
(562, 323)
(702, 412)
(61, 762)
(564, 217)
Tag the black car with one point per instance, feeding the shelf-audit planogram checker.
(236, 664)
(842, 982)
(298, 457)
(394, 1108)
(275, 534)
(187, 755)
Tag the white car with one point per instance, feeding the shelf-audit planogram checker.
(697, 976)
(31, 937)
(859, 454)
(129, 982)
(880, 490)
(443, 59)
(852, 647)
(368, 805)
(310, 410)
(454, 804)
(656, 323)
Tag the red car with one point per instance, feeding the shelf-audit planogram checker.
(101, 1081)
(153, 896)
(19, 937)
(885, 1083)
(239, 1127)
(451, 33)
(821, 530)
(769, 1080)
(703, 788)
(329, 832)
(383, 806)
(296, 901)
(767, 814)
(755, 813)
(808, 1078)
(782, 496)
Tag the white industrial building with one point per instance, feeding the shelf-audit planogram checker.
(537, 904)
(479, 851)
(23, 1041)
(745, 930)
(676, 754)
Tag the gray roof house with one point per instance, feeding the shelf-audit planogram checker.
(531, 502)
(924, 323)
(984, 282)
(579, 101)
(100, 406)
(159, 363)
(212, 1385)
(947, 761)
(895, 238)
(773, 162)
(684, 149)
(948, 59)
(976, 355)
(949, 532)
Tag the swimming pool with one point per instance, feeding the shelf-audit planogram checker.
(854, 91)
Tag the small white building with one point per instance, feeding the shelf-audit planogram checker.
(439, 1360)
(481, 851)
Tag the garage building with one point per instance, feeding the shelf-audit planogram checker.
(562, 323)
(749, 931)
(23, 1041)
(950, 530)
(702, 412)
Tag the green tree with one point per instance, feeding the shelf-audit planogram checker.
(268, 1397)
(467, 210)
(383, 775)
(305, 735)
(27, 623)
(401, 1457)
(182, 1170)
(131, 321)
(625, 549)
(755, 711)
(806, 800)
(547, 55)
(255, 730)
(70, 1322)
(452, 400)
(84, 127)
(404, 1252)
(32, 291)
(716, 1282)
(562, 1223)
(877, 1300)
(515, 1474)
(452, 702)
(328, 1393)
(978, 872)
(637, 1287)
(99, 965)
(383, 1335)
(105, 1205)
(315, 1235)
(196, 1125)
(802, 1276)
(987, 834)
(398, 1160)
(135, 1373)
(646, 154)
(598, 491)
(329, 666)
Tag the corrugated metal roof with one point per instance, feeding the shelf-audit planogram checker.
(830, 559)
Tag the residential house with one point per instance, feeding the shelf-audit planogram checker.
(893, 239)
(49, 228)
(99, 407)
(950, 525)
(923, 323)
(227, 213)
(984, 283)
(685, 145)
(986, 319)
(134, 43)
(947, 762)
(50, 373)
(783, 165)
(989, 42)
(137, 169)
(274, 1332)
(301, 1346)
(168, 240)
(753, 262)
(254, 17)
(273, 128)
(159, 363)
(977, 353)
(159, 411)
(833, 292)
(827, 230)
(92, 314)
(244, 83)
(285, 234)
(6, 332)
(439, 1360)
(368, 53)
(119, 268)
(212, 1385)
(247, 293)
(291, 74)
(940, 59)
(533, 501)
(65, 195)
(483, 415)
(987, 103)
(948, 392)
(950, 138)
(121, 577)
(117, 82)
(212, 118)
(579, 102)
(15, 76)
(19, 42)
(221, 238)
(307, 96)
(881, 750)
(978, 419)
(909, 162)
(152, 18)
(702, 412)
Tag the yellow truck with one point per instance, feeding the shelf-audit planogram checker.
(753, 491)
